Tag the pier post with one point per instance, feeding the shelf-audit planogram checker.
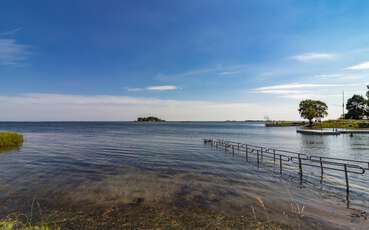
(347, 186)
(261, 152)
(300, 168)
(274, 156)
(321, 170)
(232, 150)
(280, 164)
(258, 160)
(247, 153)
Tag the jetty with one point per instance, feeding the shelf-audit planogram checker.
(335, 132)
(289, 160)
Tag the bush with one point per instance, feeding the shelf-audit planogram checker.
(343, 123)
(363, 125)
(10, 140)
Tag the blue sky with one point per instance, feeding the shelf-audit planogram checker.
(181, 60)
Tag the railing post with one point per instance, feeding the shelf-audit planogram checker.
(321, 170)
(261, 152)
(323, 161)
(280, 164)
(247, 153)
(347, 186)
(300, 168)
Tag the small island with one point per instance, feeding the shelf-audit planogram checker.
(149, 119)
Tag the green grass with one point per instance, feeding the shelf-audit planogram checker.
(284, 123)
(343, 124)
(14, 224)
(10, 140)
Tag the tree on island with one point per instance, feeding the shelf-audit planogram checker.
(149, 119)
(312, 109)
(357, 107)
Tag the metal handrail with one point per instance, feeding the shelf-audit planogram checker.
(302, 159)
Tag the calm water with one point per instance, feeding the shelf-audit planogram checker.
(108, 162)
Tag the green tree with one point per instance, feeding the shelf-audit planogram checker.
(356, 107)
(312, 109)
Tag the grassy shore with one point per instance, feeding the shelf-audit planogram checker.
(14, 224)
(10, 140)
(343, 124)
(339, 124)
(284, 123)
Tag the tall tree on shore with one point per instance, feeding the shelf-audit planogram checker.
(356, 107)
(312, 109)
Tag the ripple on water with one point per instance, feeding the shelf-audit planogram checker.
(108, 164)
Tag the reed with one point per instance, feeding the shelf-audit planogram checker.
(10, 140)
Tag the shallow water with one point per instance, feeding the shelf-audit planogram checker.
(105, 163)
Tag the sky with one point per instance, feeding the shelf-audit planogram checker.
(179, 60)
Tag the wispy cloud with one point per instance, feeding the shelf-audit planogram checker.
(162, 88)
(306, 57)
(329, 76)
(226, 73)
(220, 70)
(135, 89)
(191, 73)
(11, 52)
(11, 32)
(294, 86)
(295, 90)
(361, 66)
(344, 77)
(154, 88)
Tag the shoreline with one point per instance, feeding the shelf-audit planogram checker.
(327, 124)
(182, 205)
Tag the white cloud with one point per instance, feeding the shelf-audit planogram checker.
(299, 91)
(329, 76)
(225, 73)
(280, 91)
(191, 73)
(361, 66)
(305, 57)
(162, 88)
(46, 107)
(11, 52)
(135, 89)
(294, 86)
(219, 70)
(343, 78)
(11, 32)
(154, 88)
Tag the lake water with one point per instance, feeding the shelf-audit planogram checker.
(84, 165)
